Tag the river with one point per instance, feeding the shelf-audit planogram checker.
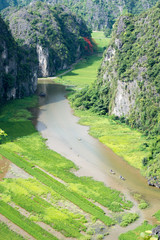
(56, 122)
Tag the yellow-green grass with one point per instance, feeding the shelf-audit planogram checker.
(123, 140)
(41, 195)
(8, 234)
(38, 154)
(141, 231)
(23, 222)
(83, 74)
(128, 218)
(135, 234)
(142, 203)
(101, 40)
(157, 215)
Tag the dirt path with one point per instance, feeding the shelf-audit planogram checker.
(16, 228)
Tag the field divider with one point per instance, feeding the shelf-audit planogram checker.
(23, 222)
(60, 188)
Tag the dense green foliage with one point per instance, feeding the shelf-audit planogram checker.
(17, 70)
(57, 37)
(13, 3)
(99, 14)
(130, 71)
(128, 218)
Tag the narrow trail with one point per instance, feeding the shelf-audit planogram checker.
(16, 228)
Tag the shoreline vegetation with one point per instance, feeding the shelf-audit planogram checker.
(52, 197)
(112, 133)
(51, 193)
(125, 141)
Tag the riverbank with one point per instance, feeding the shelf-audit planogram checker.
(126, 142)
(72, 140)
(51, 193)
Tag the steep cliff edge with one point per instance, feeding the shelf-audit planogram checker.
(57, 36)
(128, 83)
(18, 76)
(130, 70)
(46, 39)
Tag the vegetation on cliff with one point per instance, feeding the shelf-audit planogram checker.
(57, 37)
(128, 82)
(17, 71)
(99, 14)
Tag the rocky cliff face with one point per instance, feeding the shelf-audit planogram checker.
(130, 68)
(128, 83)
(54, 34)
(17, 75)
(98, 14)
(131, 72)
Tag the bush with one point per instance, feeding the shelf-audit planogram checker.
(128, 218)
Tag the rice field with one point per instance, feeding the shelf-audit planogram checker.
(50, 202)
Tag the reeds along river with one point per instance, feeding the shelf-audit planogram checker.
(56, 122)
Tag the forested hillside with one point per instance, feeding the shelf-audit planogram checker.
(57, 37)
(45, 39)
(99, 14)
(128, 84)
(18, 70)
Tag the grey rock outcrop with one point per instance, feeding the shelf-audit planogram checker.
(54, 34)
(18, 76)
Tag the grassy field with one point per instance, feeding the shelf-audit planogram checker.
(85, 72)
(101, 40)
(124, 141)
(157, 215)
(62, 201)
(142, 232)
(8, 234)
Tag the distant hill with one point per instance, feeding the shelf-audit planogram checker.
(99, 14)
(44, 40)
(58, 37)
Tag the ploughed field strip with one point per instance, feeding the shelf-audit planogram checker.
(9, 229)
(65, 205)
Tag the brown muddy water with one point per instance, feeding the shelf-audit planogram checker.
(56, 122)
